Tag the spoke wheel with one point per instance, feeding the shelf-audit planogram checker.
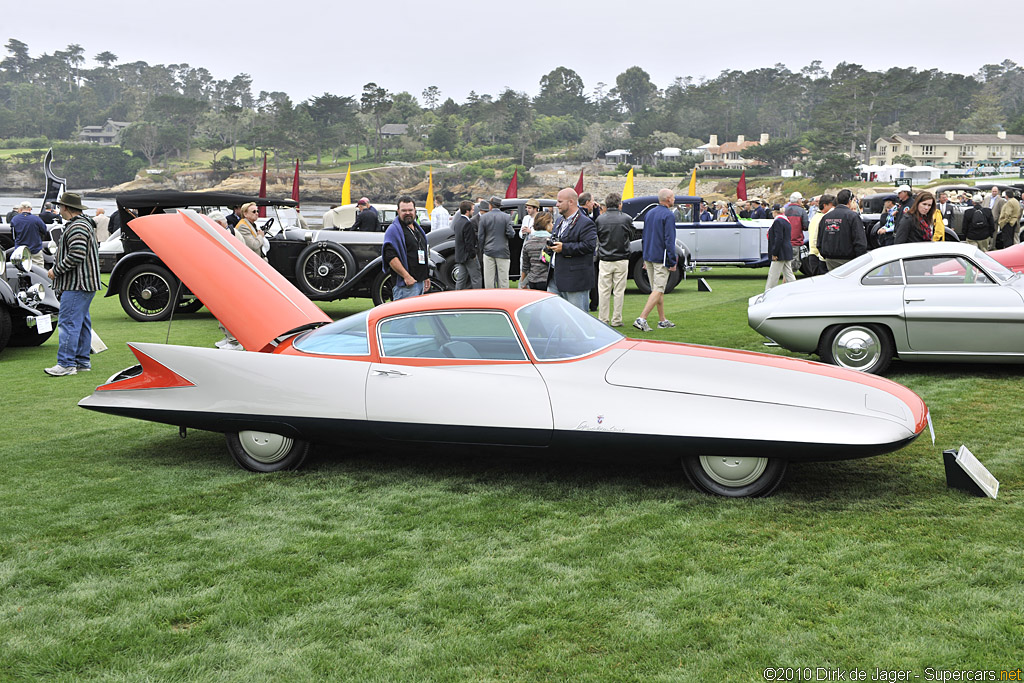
(146, 292)
(265, 451)
(322, 269)
(380, 290)
(735, 476)
(865, 348)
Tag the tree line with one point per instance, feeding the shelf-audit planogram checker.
(177, 108)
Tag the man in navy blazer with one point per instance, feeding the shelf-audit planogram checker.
(574, 241)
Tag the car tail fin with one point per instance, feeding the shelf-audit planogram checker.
(154, 375)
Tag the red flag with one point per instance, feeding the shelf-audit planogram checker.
(263, 186)
(741, 186)
(579, 184)
(295, 183)
(512, 192)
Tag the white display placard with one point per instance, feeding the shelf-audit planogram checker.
(978, 472)
(44, 324)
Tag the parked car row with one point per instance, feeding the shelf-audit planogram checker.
(325, 264)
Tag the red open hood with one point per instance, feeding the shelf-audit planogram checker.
(254, 301)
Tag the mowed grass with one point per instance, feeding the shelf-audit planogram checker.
(127, 553)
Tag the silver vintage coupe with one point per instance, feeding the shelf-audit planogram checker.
(934, 301)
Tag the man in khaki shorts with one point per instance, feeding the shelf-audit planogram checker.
(659, 241)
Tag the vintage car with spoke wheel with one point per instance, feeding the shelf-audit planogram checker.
(324, 264)
(931, 302)
(591, 391)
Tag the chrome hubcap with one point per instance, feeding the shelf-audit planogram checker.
(733, 471)
(265, 447)
(856, 348)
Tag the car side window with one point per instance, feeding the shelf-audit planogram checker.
(471, 335)
(944, 270)
(886, 274)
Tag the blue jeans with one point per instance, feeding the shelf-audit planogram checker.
(401, 291)
(580, 300)
(74, 329)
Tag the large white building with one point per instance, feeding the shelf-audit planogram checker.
(950, 149)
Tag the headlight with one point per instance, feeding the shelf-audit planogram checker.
(21, 257)
(36, 291)
(50, 247)
(3, 263)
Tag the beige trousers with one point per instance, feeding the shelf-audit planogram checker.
(611, 287)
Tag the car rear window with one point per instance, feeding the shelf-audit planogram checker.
(346, 337)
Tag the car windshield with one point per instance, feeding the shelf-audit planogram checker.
(555, 329)
(851, 266)
(347, 337)
(1000, 272)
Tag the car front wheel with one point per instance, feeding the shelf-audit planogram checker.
(734, 477)
(266, 451)
(865, 348)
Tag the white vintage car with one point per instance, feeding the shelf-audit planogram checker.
(727, 415)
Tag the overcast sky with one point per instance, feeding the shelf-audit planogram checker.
(307, 47)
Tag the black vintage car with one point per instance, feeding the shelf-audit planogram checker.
(28, 306)
(325, 264)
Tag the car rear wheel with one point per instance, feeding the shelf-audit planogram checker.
(865, 348)
(323, 269)
(643, 283)
(266, 451)
(734, 477)
(146, 292)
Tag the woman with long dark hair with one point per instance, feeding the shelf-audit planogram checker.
(918, 224)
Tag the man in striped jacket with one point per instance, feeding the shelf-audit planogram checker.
(76, 279)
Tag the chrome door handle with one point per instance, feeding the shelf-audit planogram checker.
(389, 373)
(913, 299)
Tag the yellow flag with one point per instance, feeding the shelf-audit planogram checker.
(692, 191)
(346, 189)
(627, 189)
(430, 193)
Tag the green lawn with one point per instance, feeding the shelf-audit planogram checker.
(127, 553)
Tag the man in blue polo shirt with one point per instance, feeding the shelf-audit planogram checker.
(29, 231)
(659, 240)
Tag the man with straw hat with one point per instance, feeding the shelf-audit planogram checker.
(76, 279)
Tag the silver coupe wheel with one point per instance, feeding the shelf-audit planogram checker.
(266, 451)
(864, 348)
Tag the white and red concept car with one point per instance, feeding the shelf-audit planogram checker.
(514, 367)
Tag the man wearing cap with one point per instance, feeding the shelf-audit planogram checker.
(906, 198)
(76, 279)
(796, 214)
(758, 211)
(494, 231)
(367, 219)
(532, 207)
(29, 231)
